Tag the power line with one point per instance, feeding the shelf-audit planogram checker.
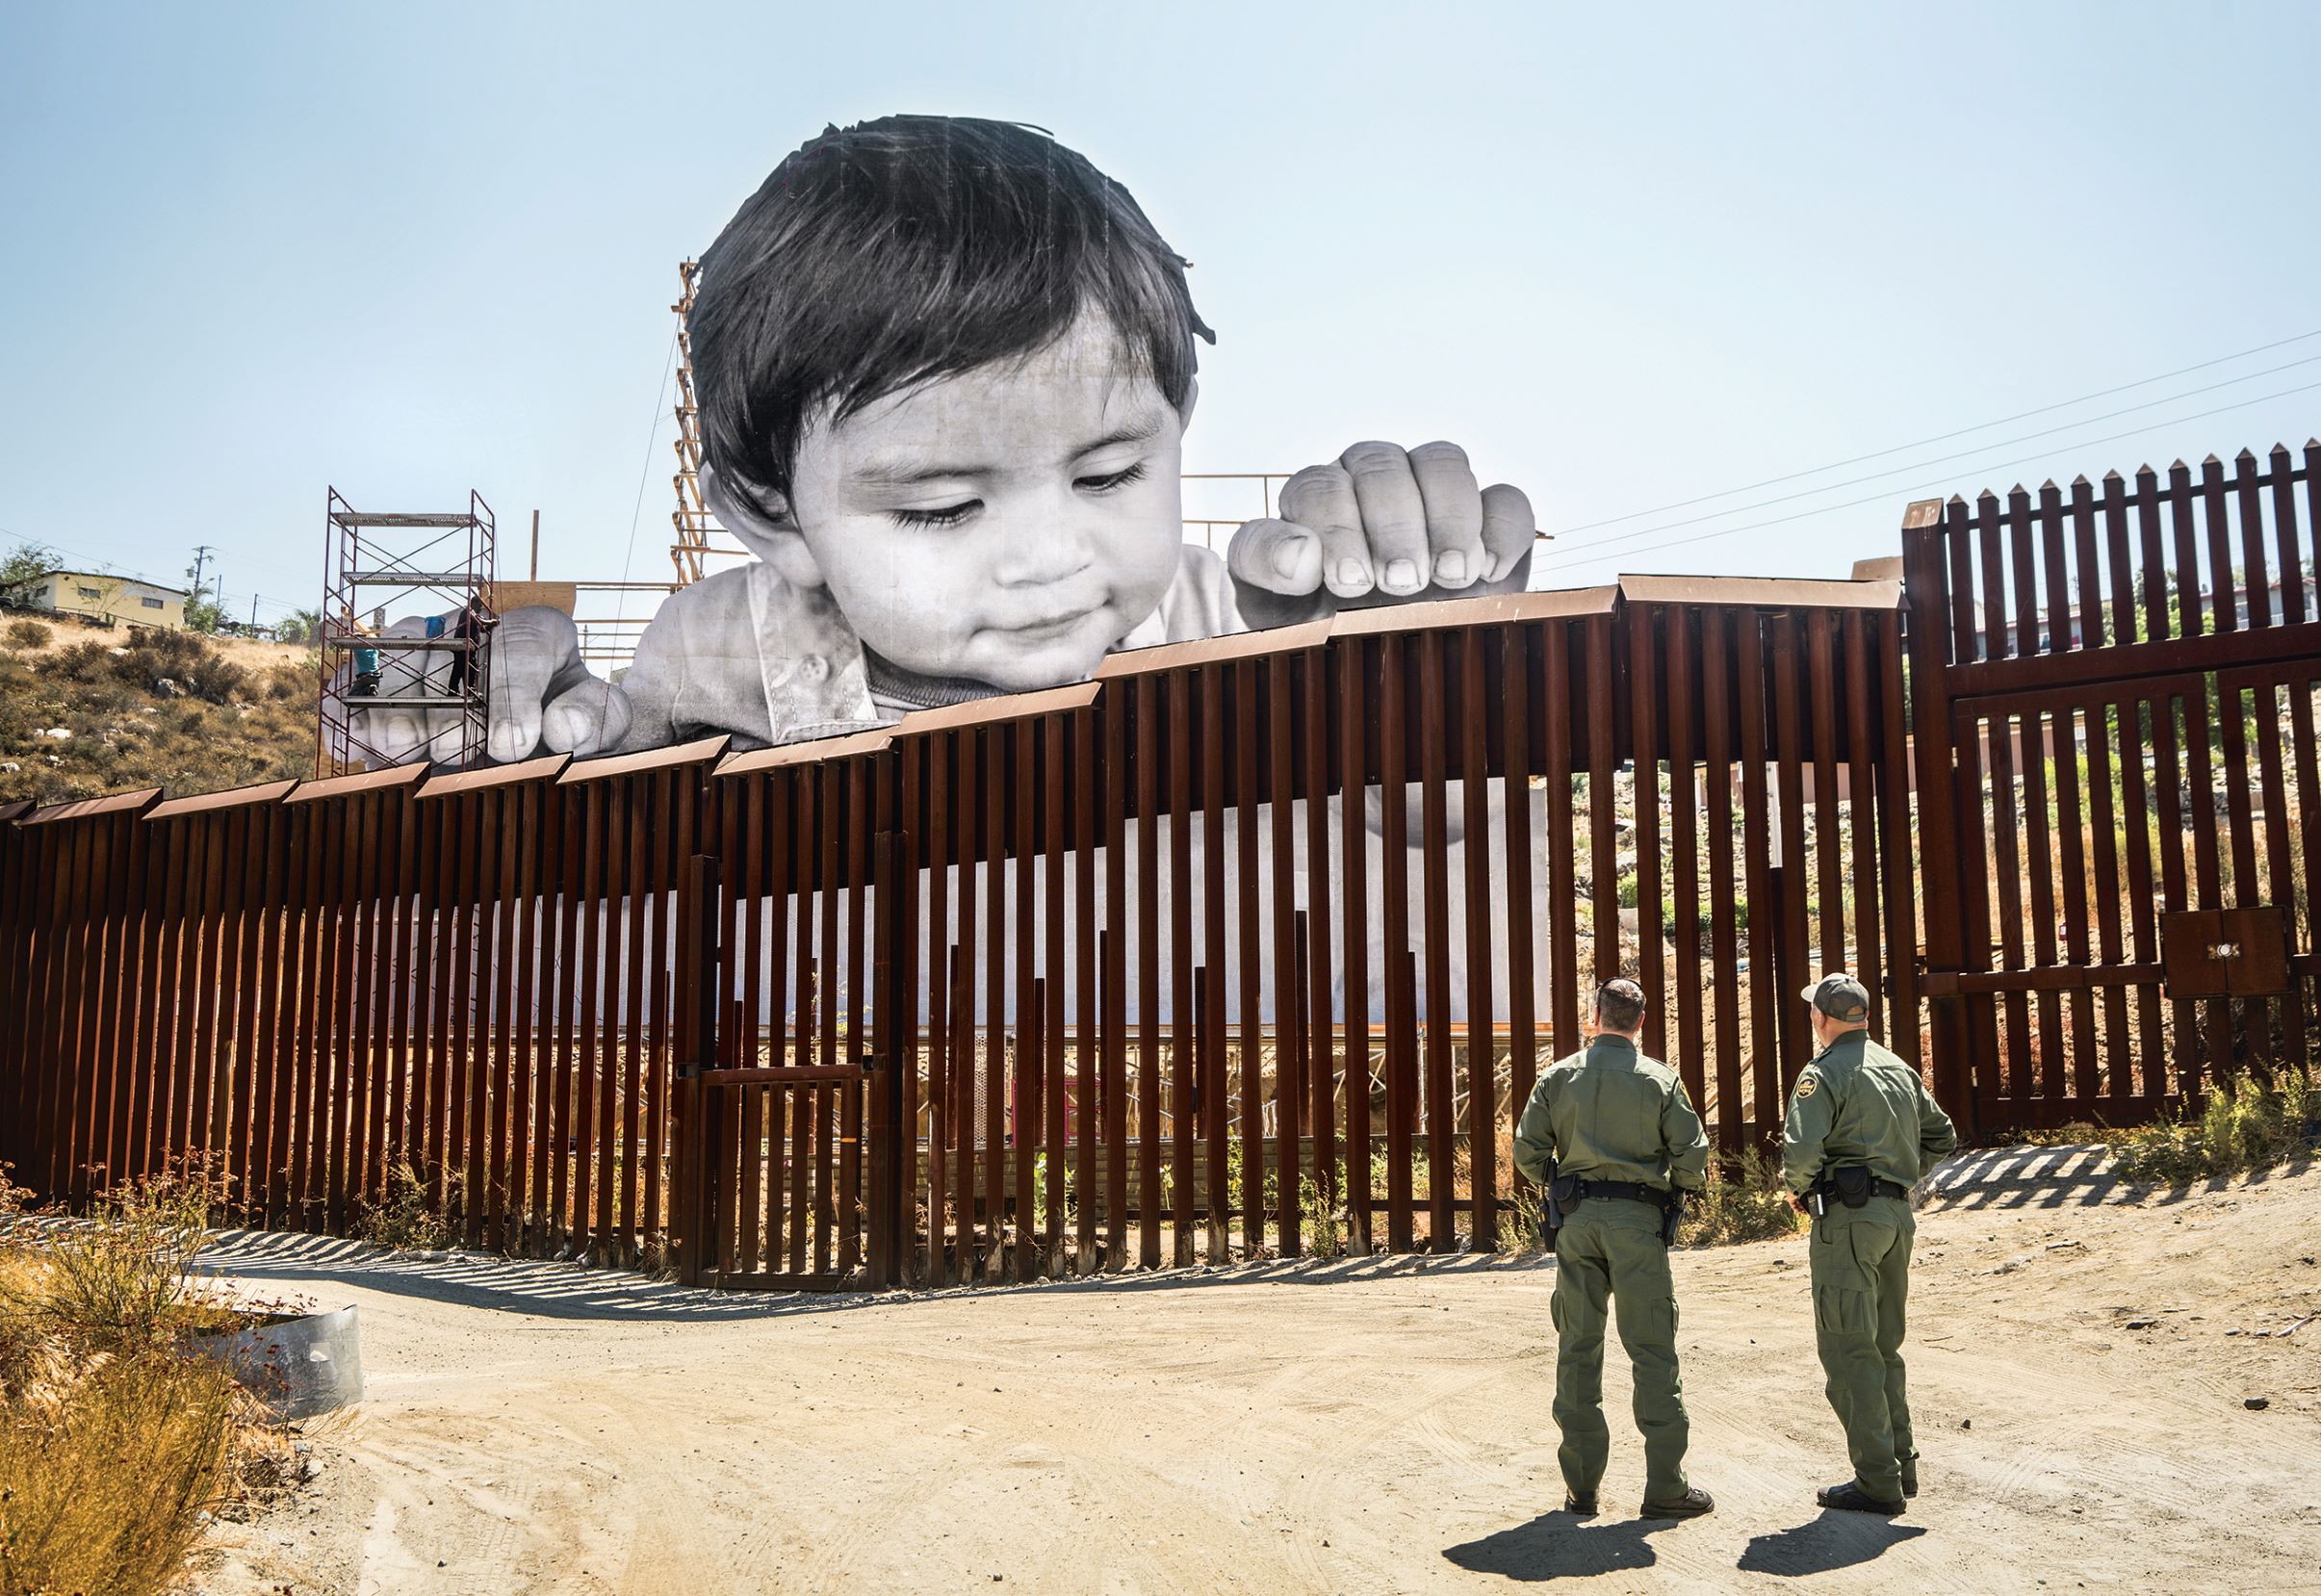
(644, 475)
(1944, 459)
(1946, 437)
(1939, 482)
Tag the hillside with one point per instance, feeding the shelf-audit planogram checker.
(148, 708)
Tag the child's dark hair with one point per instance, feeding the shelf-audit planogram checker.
(914, 248)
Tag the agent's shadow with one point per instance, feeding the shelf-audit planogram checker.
(1833, 1540)
(1558, 1546)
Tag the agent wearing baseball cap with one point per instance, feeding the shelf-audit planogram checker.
(1862, 1129)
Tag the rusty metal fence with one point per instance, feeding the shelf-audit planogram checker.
(1254, 945)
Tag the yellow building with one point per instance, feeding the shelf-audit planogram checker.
(114, 598)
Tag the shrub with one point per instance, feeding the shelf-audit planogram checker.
(118, 1282)
(405, 1220)
(2243, 1124)
(1324, 1217)
(103, 1483)
(1746, 1203)
(28, 635)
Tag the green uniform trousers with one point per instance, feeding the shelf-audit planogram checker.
(1611, 1248)
(1861, 1281)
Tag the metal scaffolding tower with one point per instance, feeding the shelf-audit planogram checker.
(702, 547)
(407, 608)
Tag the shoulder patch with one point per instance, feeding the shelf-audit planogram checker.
(1805, 1083)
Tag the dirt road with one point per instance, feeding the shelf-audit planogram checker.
(1370, 1428)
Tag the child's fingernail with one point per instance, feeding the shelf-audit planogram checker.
(1450, 566)
(1287, 556)
(1401, 574)
(1352, 573)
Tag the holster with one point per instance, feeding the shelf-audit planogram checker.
(1551, 1206)
(1852, 1182)
(1672, 1216)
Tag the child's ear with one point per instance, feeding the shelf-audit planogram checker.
(761, 518)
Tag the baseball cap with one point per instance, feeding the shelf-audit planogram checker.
(1840, 996)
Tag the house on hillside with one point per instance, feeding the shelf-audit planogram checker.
(105, 596)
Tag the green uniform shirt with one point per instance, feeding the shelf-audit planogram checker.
(1856, 1103)
(1611, 1113)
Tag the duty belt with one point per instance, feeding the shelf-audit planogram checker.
(1635, 1190)
(1828, 1185)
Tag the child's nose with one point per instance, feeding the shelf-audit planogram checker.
(1049, 545)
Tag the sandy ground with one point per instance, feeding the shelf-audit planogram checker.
(1381, 1426)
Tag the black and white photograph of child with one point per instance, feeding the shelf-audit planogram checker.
(945, 370)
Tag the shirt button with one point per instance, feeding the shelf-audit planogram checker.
(814, 667)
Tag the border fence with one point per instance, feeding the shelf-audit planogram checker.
(1250, 945)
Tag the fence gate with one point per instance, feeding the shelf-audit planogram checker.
(785, 1164)
(2121, 838)
(785, 1173)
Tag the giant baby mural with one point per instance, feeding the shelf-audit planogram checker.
(945, 370)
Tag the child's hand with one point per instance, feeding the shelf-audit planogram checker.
(542, 692)
(1383, 526)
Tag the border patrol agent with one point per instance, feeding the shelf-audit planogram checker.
(1862, 1129)
(1611, 1139)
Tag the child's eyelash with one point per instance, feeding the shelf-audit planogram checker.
(1117, 479)
(950, 515)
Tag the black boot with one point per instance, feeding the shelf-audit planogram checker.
(1579, 1506)
(1692, 1505)
(1854, 1500)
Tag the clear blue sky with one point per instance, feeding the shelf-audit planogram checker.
(1627, 256)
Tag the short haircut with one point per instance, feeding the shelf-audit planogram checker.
(1620, 1004)
(900, 251)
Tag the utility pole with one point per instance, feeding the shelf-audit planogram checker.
(201, 560)
(535, 544)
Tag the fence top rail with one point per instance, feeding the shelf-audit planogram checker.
(13, 807)
(454, 783)
(232, 798)
(1766, 592)
(361, 781)
(86, 808)
(811, 752)
(1007, 706)
(1214, 651)
(703, 751)
(1553, 603)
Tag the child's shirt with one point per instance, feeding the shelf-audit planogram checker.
(746, 653)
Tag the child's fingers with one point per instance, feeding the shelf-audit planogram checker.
(531, 647)
(1321, 498)
(1446, 485)
(590, 718)
(1509, 529)
(1278, 556)
(1394, 516)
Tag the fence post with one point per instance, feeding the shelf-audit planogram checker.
(700, 974)
(889, 1159)
(1926, 597)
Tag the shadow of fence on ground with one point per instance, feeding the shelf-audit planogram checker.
(560, 1290)
(2080, 1176)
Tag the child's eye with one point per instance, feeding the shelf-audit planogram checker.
(1117, 479)
(950, 515)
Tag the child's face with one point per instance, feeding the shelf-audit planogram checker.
(1006, 526)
